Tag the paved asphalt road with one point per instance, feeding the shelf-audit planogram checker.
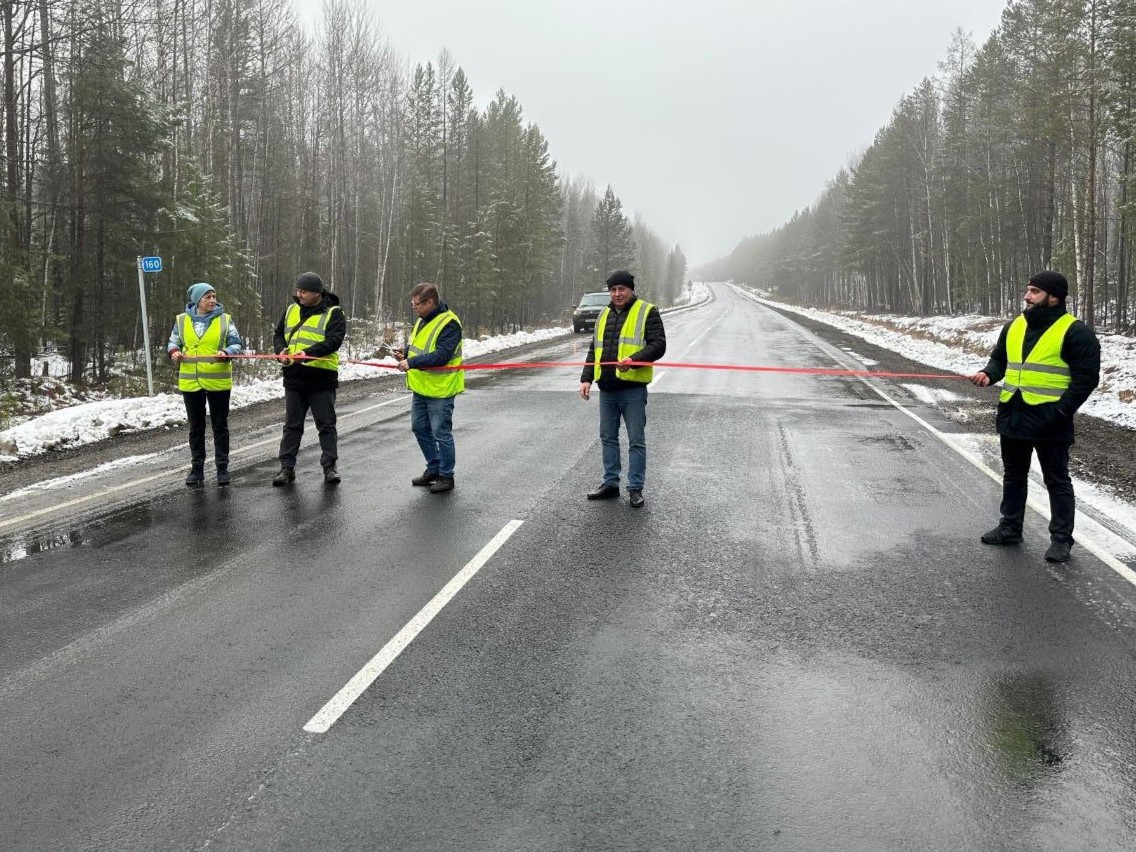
(797, 644)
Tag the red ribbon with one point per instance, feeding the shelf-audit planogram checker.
(681, 365)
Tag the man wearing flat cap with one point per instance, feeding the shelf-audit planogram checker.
(629, 336)
(1049, 363)
(306, 342)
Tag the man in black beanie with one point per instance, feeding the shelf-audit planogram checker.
(628, 330)
(1049, 363)
(306, 342)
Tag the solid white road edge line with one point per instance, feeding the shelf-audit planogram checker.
(1036, 504)
(134, 483)
(1042, 508)
(329, 714)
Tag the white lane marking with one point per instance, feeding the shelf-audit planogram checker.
(658, 377)
(329, 714)
(134, 483)
(697, 340)
(68, 481)
(1034, 503)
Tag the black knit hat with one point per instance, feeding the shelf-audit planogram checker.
(1051, 282)
(309, 281)
(621, 277)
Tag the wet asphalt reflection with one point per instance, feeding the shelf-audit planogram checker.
(798, 643)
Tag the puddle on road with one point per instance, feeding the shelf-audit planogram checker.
(985, 756)
(1027, 726)
(97, 531)
(15, 548)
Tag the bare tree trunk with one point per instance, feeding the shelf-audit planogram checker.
(1088, 283)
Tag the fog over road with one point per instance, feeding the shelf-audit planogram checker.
(798, 643)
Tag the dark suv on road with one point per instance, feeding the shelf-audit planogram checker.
(588, 311)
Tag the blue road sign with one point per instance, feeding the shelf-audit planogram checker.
(151, 264)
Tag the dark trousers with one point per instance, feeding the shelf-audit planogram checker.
(296, 406)
(1054, 459)
(219, 419)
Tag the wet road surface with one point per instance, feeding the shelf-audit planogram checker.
(797, 644)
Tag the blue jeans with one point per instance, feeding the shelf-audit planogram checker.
(631, 405)
(432, 422)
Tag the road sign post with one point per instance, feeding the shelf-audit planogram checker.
(147, 264)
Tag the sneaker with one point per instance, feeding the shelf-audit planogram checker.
(442, 483)
(330, 475)
(195, 478)
(1001, 535)
(223, 477)
(635, 497)
(286, 476)
(1058, 551)
(428, 477)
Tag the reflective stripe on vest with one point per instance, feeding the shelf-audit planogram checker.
(436, 384)
(632, 338)
(199, 368)
(1044, 377)
(301, 335)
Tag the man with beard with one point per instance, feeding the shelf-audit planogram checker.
(1049, 362)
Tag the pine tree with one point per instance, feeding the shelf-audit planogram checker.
(614, 247)
(116, 131)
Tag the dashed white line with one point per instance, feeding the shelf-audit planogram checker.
(330, 712)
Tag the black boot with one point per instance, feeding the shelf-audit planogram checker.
(1002, 535)
(442, 483)
(1058, 551)
(604, 492)
(223, 477)
(196, 477)
(286, 476)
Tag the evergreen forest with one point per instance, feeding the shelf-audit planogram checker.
(1019, 156)
(243, 148)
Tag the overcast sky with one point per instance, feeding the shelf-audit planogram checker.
(712, 119)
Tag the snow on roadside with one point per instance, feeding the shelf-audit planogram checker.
(60, 482)
(94, 421)
(962, 344)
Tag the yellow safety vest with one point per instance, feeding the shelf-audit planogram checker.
(301, 335)
(632, 338)
(199, 368)
(437, 384)
(1045, 376)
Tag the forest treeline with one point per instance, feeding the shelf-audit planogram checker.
(243, 149)
(1019, 157)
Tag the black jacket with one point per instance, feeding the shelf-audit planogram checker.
(1049, 421)
(300, 376)
(653, 349)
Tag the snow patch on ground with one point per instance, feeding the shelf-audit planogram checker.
(931, 396)
(962, 344)
(85, 423)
